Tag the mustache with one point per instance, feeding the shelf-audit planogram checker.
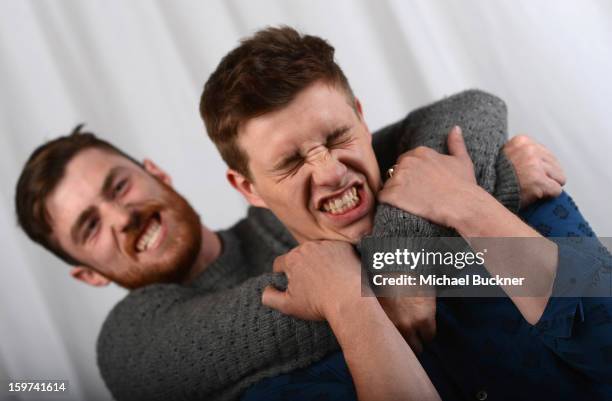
(138, 218)
(135, 223)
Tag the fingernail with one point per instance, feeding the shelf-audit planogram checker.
(457, 129)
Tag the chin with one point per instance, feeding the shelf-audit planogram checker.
(354, 238)
(357, 232)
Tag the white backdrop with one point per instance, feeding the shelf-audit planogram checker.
(134, 72)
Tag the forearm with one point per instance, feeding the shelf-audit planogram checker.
(381, 363)
(218, 343)
(513, 249)
(483, 119)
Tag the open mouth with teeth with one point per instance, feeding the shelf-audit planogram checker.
(343, 203)
(150, 235)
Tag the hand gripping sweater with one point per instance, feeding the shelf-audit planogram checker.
(211, 339)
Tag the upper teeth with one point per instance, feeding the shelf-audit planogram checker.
(345, 201)
(149, 236)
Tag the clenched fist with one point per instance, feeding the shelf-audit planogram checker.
(539, 173)
(321, 276)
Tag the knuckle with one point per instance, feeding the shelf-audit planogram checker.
(403, 161)
(538, 192)
(292, 257)
(535, 167)
(422, 151)
(276, 265)
(407, 327)
(542, 149)
(530, 150)
(423, 321)
(403, 156)
(521, 140)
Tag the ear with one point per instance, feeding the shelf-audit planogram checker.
(156, 171)
(89, 276)
(358, 108)
(245, 187)
(359, 111)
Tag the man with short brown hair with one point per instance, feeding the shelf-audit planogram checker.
(196, 335)
(301, 148)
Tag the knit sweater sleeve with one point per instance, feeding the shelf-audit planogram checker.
(171, 342)
(483, 120)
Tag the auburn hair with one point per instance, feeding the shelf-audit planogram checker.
(40, 175)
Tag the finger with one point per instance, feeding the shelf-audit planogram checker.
(546, 155)
(279, 265)
(407, 154)
(552, 188)
(427, 331)
(456, 144)
(414, 342)
(553, 170)
(423, 152)
(275, 299)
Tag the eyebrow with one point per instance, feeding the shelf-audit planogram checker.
(337, 133)
(85, 215)
(296, 156)
(107, 187)
(287, 161)
(77, 226)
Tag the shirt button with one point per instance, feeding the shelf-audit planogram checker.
(481, 395)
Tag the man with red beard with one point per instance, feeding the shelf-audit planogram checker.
(114, 219)
(110, 217)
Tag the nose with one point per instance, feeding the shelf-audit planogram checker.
(117, 216)
(330, 172)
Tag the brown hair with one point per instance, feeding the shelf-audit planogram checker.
(40, 175)
(263, 74)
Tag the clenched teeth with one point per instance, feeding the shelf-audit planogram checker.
(149, 237)
(346, 201)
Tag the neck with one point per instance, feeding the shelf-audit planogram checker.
(209, 252)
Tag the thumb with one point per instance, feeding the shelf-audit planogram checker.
(273, 298)
(456, 144)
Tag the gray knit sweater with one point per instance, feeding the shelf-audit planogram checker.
(211, 339)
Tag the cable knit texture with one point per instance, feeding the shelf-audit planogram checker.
(211, 339)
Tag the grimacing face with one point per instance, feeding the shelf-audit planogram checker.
(123, 221)
(313, 165)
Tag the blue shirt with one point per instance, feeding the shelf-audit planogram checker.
(484, 348)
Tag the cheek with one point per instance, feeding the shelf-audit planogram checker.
(359, 158)
(288, 199)
(104, 251)
(139, 192)
(144, 188)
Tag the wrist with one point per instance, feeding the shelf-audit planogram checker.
(350, 309)
(468, 217)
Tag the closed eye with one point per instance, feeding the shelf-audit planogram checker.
(339, 137)
(120, 188)
(90, 228)
(291, 168)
